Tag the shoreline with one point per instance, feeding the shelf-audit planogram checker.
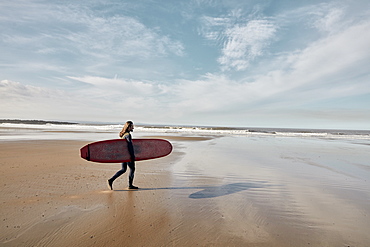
(222, 191)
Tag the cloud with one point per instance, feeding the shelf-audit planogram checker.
(19, 100)
(120, 36)
(80, 34)
(123, 87)
(242, 39)
(328, 20)
(25, 101)
(337, 54)
(326, 70)
(246, 42)
(330, 68)
(14, 90)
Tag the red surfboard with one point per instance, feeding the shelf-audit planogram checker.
(115, 151)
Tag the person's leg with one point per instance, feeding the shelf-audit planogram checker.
(131, 175)
(119, 173)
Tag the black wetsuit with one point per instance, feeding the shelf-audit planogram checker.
(130, 164)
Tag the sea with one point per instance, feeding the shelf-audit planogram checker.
(29, 130)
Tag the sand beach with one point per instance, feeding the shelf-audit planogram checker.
(212, 190)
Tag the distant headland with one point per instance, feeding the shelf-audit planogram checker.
(21, 121)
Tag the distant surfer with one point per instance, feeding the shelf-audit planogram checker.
(125, 134)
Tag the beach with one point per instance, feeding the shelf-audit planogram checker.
(212, 190)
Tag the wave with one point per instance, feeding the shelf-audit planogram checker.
(193, 130)
(356, 134)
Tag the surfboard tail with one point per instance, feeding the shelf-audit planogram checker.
(85, 152)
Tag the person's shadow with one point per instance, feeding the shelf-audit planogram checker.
(212, 191)
(223, 190)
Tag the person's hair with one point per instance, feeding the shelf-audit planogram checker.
(125, 127)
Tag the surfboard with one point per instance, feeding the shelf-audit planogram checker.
(116, 151)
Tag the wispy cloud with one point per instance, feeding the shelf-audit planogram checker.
(56, 31)
(120, 36)
(242, 39)
(246, 42)
(328, 20)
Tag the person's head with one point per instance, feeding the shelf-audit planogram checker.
(128, 127)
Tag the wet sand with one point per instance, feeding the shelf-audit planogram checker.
(211, 191)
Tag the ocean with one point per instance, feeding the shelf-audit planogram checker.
(78, 131)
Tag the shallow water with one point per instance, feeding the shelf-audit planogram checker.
(314, 186)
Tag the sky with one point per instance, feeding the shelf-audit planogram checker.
(250, 63)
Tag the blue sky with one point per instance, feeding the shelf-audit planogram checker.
(300, 64)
